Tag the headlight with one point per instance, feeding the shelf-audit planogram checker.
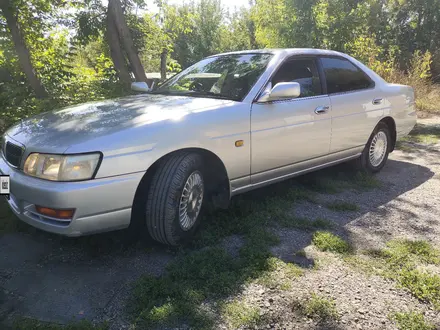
(62, 167)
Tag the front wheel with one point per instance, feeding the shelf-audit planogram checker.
(377, 149)
(175, 198)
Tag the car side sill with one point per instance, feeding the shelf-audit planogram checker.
(290, 175)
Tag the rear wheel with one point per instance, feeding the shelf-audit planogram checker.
(377, 149)
(175, 198)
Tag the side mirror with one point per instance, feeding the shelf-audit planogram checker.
(282, 91)
(140, 86)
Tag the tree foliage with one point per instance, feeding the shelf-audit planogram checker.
(72, 55)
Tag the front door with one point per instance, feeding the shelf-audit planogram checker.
(288, 132)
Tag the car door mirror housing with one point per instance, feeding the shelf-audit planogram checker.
(140, 86)
(282, 91)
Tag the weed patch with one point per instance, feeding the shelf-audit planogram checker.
(318, 308)
(326, 241)
(423, 134)
(422, 285)
(279, 274)
(411, 321)
(400, 261)
(238, 314)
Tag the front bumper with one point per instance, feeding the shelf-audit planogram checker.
(100, 204)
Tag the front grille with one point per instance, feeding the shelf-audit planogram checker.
(13, 154)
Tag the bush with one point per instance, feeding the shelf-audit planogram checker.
(326, 241)
(320, 309)
(411, 320)
(417, 74)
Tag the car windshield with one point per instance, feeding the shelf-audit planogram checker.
(225, 76)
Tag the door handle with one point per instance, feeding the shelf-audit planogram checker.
(321, 110)
(377, 101)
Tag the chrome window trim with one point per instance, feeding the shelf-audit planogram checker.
(287, 58)
(372, 82)
(298, 99)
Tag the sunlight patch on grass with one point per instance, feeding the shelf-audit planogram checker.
(279, 274)
(318, 308)
(326, 241)
(238, 314)
(421, 138)
(400, 261)
(411, 321)
(423, 134)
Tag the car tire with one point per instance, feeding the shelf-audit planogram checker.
(175, 198)
(376, 151)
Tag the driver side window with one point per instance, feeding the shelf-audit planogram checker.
(302, 71)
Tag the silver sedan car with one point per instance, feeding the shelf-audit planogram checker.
(228, 124)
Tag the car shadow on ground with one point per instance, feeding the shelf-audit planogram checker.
(53, 278)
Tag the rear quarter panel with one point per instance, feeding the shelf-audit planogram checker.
(402, 107)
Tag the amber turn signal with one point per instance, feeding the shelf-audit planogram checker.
(239, 143)
(54, 213)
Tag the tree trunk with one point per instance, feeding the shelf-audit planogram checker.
(163, 64)
(124, 35)
(116, 52)
(21, 49)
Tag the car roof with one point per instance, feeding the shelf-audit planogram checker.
(286, 51)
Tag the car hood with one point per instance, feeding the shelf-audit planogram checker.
(57, 130)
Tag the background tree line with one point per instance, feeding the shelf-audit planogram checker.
(60, 52)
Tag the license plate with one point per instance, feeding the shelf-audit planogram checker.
(5, 186)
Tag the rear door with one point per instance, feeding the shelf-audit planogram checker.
(291, 131)
(356, 104)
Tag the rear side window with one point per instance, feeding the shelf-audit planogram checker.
(302, 71)
(343, 76)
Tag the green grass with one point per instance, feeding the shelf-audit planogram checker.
(421, 138)
(411, 321)
(401, 145)
(204, 272)
(423, 134)
(423, 285)
(238, 314)
(404, 251)
(326, 241)
(402, 261)
(342, 206)
(301, 253)
(260, 208)
(26, 324)
(320, 309)
(337, 179)
(279, 274)
(208, 274)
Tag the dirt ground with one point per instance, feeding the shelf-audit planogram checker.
(61, 280)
